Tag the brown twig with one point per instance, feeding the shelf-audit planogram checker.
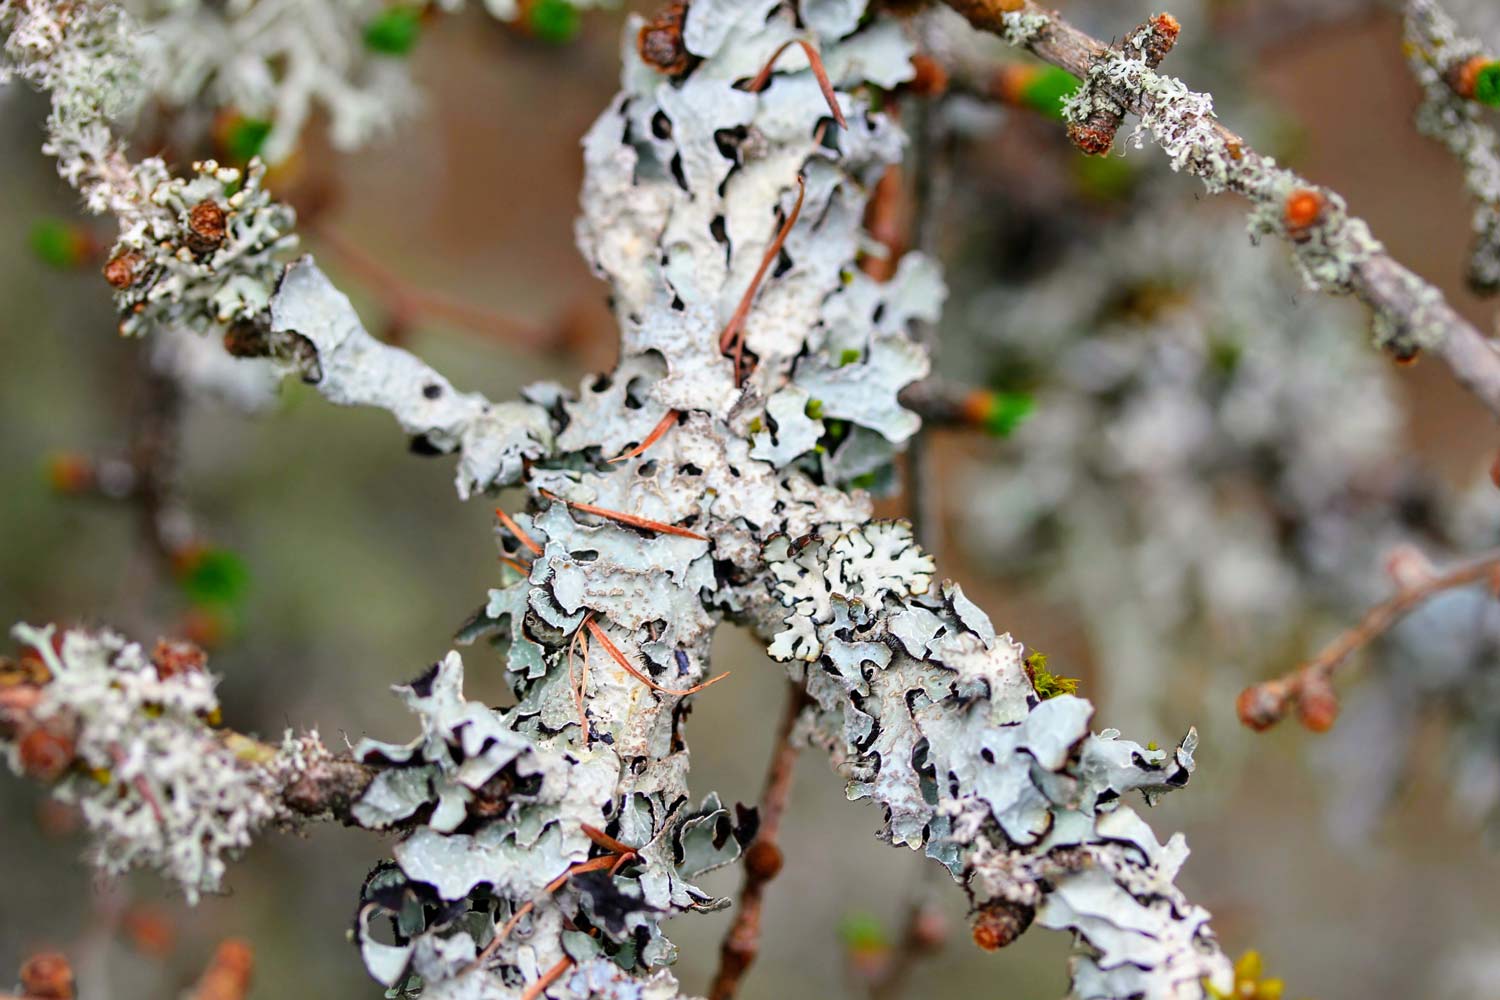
(1400, 299)
(634, 671)
(816, 61)
(515, 529)
(733, 334)
(763, 857)
(405, 303)
(645, 524)
(667, 421)
(620, 855)
(539, 987)
(1309, 688)
(580, 688)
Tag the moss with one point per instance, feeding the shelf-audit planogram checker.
(554, 21)
(814, 409)
(1044, 682)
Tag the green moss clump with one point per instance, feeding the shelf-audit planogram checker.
(1044, 682)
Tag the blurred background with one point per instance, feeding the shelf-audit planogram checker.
(343, 563)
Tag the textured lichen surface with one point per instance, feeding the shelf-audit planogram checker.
(538, 842)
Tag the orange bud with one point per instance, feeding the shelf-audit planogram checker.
(1317, 704)
(1303, 209)
(47, 976)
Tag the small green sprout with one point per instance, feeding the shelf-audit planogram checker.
(214, 578)
(553, 21)
(1045, 682)
(59, 244)
(1046, 91)
(863, 932)
(1007, 411)
(244, 138)
(814, 409)
(1487, 85)
(395, 30)
(849, 356)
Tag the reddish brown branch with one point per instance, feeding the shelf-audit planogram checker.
(619, 657)
(634, 521)
(668, 420)
(734, 334)
(763, 857)
(816, 61)
(1309, 688)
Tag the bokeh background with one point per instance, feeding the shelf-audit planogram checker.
(360, 563)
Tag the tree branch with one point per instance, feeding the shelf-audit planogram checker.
(1335, 251)
(1309, 690)
(763, 857)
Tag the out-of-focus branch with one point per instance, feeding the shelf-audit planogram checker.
(406, 304)
(1335, 251)
(1457, 77)
(763, 857)
(1309, 688)
(942, 403)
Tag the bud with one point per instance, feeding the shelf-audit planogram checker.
(47, 976)
(45, 755)
(1317, 704)
(1303, 210)
(122, 269)
(763, 859)
(999, 922)
(207, 226)
(660, 41)
(1261, 706)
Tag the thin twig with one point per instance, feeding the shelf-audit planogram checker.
(539, 987)
(733, 333)
(1400, 299)
(816, 61)
(515, 530)
(634, 521)
(1309, 688)
(763, 857)
(580, 688)
(640, 675)
(667, 421)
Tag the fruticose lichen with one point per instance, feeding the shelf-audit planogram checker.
(155, 784)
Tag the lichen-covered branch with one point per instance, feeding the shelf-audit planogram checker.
(1446, 63)
(1335, 251)
(546, 844)
(131, 738)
